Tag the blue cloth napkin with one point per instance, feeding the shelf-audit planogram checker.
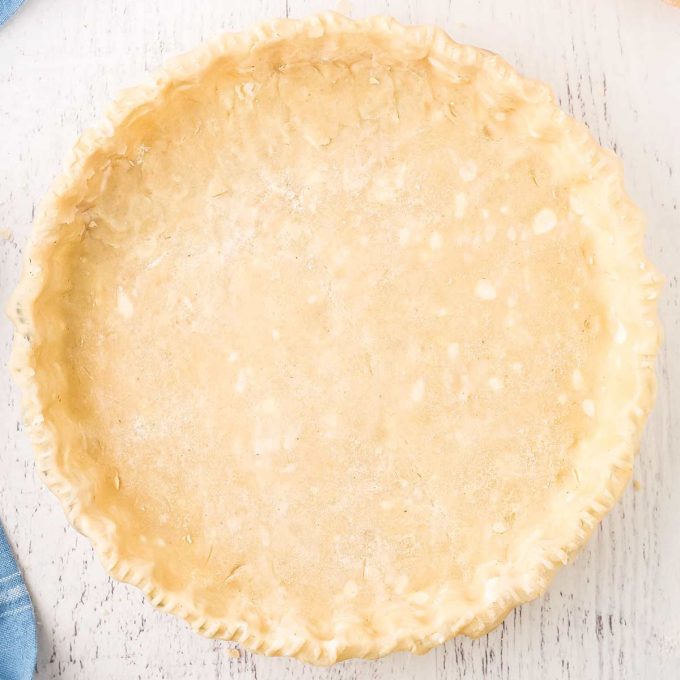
(18, 646)
(7, 8)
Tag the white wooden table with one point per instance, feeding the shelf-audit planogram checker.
(614, 64)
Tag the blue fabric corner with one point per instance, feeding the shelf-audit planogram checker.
(7, 8)
(18, 645)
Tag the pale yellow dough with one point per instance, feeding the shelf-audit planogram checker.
(338, 338)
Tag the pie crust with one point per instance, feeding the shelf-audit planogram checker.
(338, 338)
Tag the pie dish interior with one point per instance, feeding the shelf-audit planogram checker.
(338, 338)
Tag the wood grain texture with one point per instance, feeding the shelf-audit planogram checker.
(614, 64)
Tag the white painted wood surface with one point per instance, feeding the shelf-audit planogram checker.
(615, 64)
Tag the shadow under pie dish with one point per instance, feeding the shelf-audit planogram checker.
(338, 338)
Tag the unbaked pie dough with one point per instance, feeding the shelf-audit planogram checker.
(338, 338)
